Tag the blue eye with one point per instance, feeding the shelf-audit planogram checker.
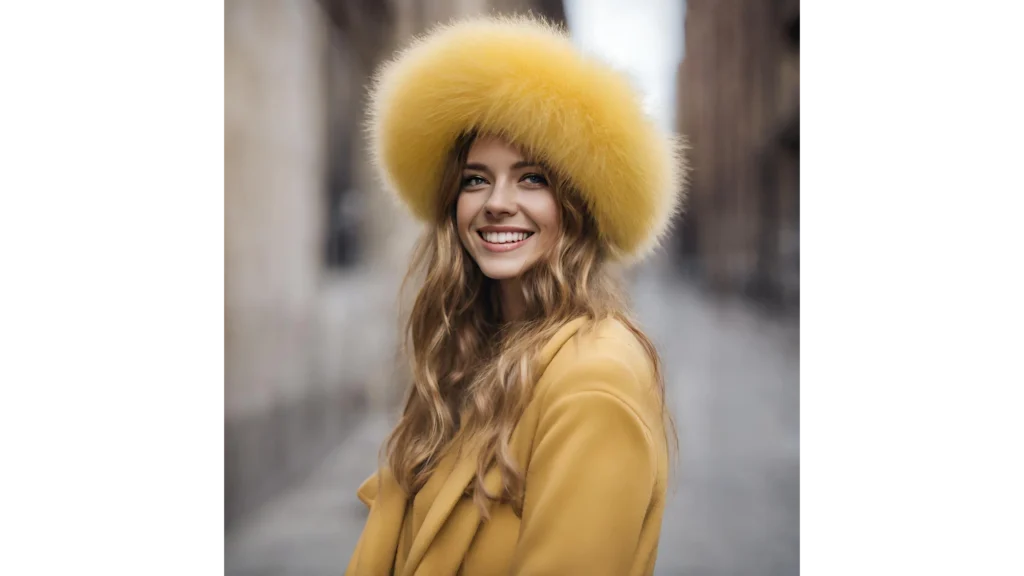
(536, 179)
(470, 181)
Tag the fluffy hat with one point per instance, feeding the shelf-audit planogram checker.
(522, 78)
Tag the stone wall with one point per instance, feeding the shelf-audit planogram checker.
(314, 250)
(739, 108)
(274, 160)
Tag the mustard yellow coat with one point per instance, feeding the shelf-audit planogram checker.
(592, 445)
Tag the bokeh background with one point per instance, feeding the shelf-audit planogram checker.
(315, 252)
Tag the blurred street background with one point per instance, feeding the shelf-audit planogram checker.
(315, 253)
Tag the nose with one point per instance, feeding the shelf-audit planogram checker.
(502, 201)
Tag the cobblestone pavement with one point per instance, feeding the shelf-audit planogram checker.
(733, 382)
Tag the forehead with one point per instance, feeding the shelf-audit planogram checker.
(494, 150)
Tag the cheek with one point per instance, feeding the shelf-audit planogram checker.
(546, 213)
(465, 211)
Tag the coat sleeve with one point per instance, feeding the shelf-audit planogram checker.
(589, 483)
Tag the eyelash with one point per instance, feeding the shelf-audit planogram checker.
(466, 182)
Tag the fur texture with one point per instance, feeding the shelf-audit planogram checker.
(522, 78)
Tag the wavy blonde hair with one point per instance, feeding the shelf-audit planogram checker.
(472, 373)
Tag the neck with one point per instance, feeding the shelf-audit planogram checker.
(512, 302)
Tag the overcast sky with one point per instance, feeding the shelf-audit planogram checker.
(642, 37)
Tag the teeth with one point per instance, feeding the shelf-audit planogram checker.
(505, 237)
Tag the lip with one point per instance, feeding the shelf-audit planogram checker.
(507, 246)
(502, 229)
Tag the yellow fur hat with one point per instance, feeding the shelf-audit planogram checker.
(522, 78)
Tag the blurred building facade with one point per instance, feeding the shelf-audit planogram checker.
(738, 105)
(313, 251)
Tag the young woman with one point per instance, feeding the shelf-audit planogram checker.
(535, 438)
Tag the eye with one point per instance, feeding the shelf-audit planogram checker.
(536, 179)
(472, 180)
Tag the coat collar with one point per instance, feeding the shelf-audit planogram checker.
(378, 548)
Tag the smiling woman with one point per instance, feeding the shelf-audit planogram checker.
(534, 437)
(506, 214)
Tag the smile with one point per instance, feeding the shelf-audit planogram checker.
(504, 241)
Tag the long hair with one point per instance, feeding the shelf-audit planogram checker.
(472, 373)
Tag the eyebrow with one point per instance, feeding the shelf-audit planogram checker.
(516, 166)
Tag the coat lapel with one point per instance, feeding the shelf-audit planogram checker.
(444, 553)
(441, 508)
(379, 542)
(446, 559)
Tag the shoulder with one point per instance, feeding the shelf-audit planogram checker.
(605, 359)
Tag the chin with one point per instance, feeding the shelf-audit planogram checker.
(502, 270)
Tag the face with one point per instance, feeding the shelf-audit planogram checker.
(506, 212)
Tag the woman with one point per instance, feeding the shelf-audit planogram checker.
(535, 438)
